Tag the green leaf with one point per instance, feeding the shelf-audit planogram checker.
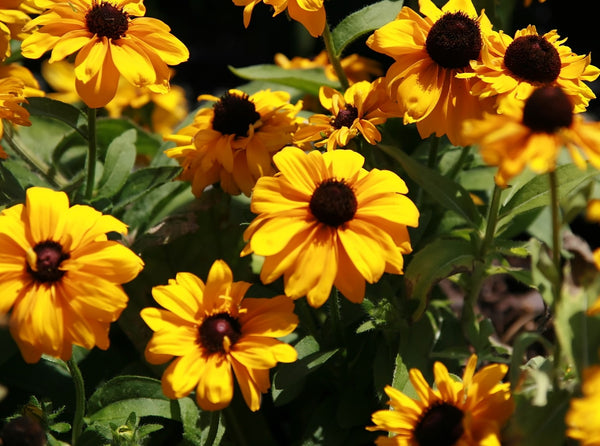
(143, 181)
(364, 21)
(119, 162)
(61, 111)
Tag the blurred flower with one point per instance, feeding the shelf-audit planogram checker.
(61, 275)
(324, 221)
(109, 42)
(429, 53)
(31, 87)
(532, 133)
(12, 95)
(233, 142)
(466, 413)
(356, 111)
(516, 67)
(12, 21)
(215, 333)
(583, 423)
(528, 2)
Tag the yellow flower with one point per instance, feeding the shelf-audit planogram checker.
(61, 275)
(215, 333)
(358, 110)
(12, 20)
(467, 413)
(31, 86)
(532, 133)
(110, 39)
(583, 422)
(324, 221)
(515, 67)
(12, 92)
(233, 142)
(429, 53)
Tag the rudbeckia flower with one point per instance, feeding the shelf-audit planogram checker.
(111, 40)
(31, 86)
(12, 95)
(233, 142)
(61, 275)
(429, 53)
(358, 110)
(324, 221)
(517, 66)
(214, 333)
(467, 413)
(532, 133)
(583, 423)
(12, 21)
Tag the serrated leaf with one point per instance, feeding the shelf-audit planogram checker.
(118, 164)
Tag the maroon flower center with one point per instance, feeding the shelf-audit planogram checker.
(49, 256)
(233, 114)
(547, 110)
(107, 20)
(333, 203)
(345, 117)
(440, 425)
(454, 40)
(214, 329)
(533, 59)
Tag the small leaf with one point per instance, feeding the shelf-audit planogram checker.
(141, 182)
(119, 162)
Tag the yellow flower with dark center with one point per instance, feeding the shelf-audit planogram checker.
(12, 95)
(429, 53)
(583, 422)
(358, 110)
(111, 40)
(467, 413)
(531, 133)
(517, 66)
(324, 221)
(215, 333)
(61, 275)
(233, 142)
(12, 21)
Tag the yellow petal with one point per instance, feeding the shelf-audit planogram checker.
(215, 389)
(44, 210)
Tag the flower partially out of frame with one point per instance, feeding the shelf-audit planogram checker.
(12, 95)
(532, 133)
(467, 413)
(324, 221)
(111, 40)
(582, 419)
(12, 20)
(61, 277)
(214, 333)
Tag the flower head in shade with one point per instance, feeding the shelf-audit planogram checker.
(61, 277)
(517, 66)
(467, 413)
(233, 142)
(429, 52)
(582, 419)
(324, 221)
(214, 334)
(12, 95)
(531, 133)
(110, 39)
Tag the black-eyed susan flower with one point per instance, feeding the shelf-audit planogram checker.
(358, 110)
(467, 413)
(12, 21)
(531, 133)
(583, 422)
(517, 66)
(61, 277)
(324, 221)
(111, 40)
(429, 52)
(214, 334)
(12, 95)
(233, 142)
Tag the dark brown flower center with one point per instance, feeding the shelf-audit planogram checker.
(440, 425)
(214, 329)
(233, 114)
(107, 20)
(533, 59)
(333, 203)
(454, 40)
(345, 117)
(547, 110)
(49, 257)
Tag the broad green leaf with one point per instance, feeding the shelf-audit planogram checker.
(122, 388)
(69, 114)
(141, 182)
(118, 164)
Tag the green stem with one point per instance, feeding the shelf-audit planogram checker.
(236, 430)
(79, 400)
(457, 167)
(213, 428)
(307, 318)
(91, 161)
(556, 237)
(334, 58)
(434, 143)
(335, 312)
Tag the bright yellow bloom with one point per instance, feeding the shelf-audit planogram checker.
(61, 275)
(358, 110)
(467, 413)
(233, 142)
(12, 95)
(583, 418)
(12, 21)
(215, 333)
(532, 133)
(31, 86)
(324, 221)
(111, 40)
(429, 53)
(517, 66)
